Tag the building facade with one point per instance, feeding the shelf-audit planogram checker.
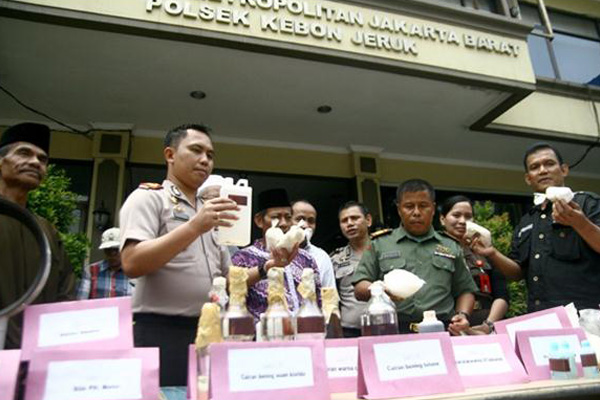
(334, 100)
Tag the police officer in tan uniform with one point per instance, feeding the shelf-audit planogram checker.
(168, 242)
(355, 221)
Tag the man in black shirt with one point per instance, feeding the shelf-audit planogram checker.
(556, 245)
(23, 164)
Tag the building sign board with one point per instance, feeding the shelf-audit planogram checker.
(334, 26)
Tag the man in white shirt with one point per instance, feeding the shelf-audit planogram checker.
(302, 210)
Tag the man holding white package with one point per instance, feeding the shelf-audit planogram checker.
(168, 242)
(274, 218)
(556, 245)
(417, 252)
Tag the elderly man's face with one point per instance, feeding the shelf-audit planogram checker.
(416, 210)
(25, 165)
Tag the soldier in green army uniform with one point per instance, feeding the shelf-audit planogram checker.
(416, 247)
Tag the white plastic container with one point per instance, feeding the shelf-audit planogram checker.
(239, 233)
(430, 323)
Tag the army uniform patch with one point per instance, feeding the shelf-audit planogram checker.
(443, 251)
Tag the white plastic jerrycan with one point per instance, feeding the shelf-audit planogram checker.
(239, 233)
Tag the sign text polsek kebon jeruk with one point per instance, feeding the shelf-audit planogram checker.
(328, 22)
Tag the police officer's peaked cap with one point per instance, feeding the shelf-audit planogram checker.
(37, 134)
(273, 198)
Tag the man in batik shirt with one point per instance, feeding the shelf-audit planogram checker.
(274, 204)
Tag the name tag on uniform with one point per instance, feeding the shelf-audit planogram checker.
(389, 254)
(445, 255)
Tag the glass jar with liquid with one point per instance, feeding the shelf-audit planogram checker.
(380, 316)
(277, 323)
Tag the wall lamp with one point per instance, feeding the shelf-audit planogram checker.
(101, 217)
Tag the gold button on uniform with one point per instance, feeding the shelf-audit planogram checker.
(535, 278)
(537, 256)
(537, 302)
(543, 216)
(562, 234)
(541, 236)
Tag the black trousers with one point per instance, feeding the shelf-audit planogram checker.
(172, 335)
(351, 332)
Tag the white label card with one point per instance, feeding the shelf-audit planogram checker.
(270, 369)
(411, 359)
(67, 327)
(94, 380)
(540, 346)
(480, 359)
(548, 321)
(342, 362)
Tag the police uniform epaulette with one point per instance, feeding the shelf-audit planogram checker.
(380, 233)
(336, 251)
(150, 186)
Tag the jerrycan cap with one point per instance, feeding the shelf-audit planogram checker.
(429, 315)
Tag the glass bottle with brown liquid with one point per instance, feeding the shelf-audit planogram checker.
(238, 323)
(277, 322)
(380, 316)
(310, 322)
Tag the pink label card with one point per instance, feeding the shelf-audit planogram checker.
(487, 358)
(406, 365)
(534, 348)
(552, 318)
(290, 370)
(341, 356)
(192, 379)
(86, 324)
(93, 375)
(9, 371)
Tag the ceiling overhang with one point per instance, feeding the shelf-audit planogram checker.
(87, 68)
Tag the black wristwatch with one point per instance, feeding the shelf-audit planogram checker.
(490, 326)
(465, 314)
(262, 272)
